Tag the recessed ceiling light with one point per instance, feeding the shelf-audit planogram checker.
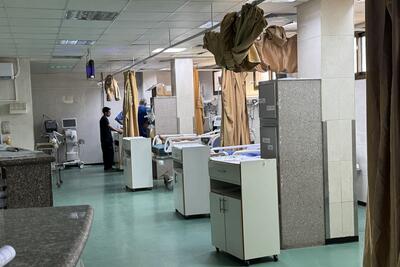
(170, 50)
(208, 24)
(76, 42)
(90, 15)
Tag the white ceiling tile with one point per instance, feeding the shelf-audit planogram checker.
(124, 24)
(27, 41)
(179, 24)
(97, 5)
(4, 29)
(7, 41)
(35, 13)
(186, 16)
(86, 24)
(205, 6)
(118, 31)
(74, 30)
(3, 21)
(143, 16)
(5, 35)
(47, 4)
(35, 51)
(34, 46)
(155, 6)
(35, 22)
(78, 36)
(120, 37)
(46, 36)
(3, 13)
(46, 30)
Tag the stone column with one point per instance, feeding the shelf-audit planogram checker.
(326, 52)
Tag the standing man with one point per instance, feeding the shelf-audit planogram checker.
(106, 139)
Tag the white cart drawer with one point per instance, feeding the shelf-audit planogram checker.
(225, 172)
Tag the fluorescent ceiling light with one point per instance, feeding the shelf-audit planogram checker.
(208, 24)
(90, 15)
(76, 42)
(170, 50)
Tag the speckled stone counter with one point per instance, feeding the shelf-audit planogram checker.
(54, 236)
(26, 178)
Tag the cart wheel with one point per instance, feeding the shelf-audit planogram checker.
(247, 263)
(217, 249)
(168, 183)
(275, 257)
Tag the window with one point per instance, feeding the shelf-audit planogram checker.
(360, 55)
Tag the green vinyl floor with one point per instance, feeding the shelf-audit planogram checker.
(142, 229)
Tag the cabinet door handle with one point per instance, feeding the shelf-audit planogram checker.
(223, 205)
(220, 205)
(176, 180)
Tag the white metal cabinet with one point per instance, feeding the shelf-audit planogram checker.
(217, 218)
(232, 209)
(138, 164)
(192, 183)
(244, 206)
(178, 191)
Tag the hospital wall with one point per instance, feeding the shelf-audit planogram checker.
(21, 124)
(72, 95)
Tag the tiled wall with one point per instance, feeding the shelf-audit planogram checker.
(326, 47)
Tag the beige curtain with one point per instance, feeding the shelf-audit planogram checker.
(233, 47)
(277, 52)
(112, 89)
(235, 121)
(131, 104)
(382, 234)
(198, 104)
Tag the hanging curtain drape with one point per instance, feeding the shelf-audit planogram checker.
(198, 104)
(112, 89)
(235, 120)
(277, 52)
(382, 237)
(131, 104)
(233, 46)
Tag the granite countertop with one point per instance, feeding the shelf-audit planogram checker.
(54, 236)
(23, 156)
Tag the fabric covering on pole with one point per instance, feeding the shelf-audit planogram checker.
(382, 235)
(198, 104)
(131, 105)
(233, 47)
(235, 119)
(277, 52)
(112, 89)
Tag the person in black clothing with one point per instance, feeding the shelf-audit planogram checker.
(106, 139)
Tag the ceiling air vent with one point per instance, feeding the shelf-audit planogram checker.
(91, 15)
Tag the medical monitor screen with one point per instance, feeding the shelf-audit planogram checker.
(69, 123)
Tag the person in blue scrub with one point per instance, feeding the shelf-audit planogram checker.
(142, 120)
